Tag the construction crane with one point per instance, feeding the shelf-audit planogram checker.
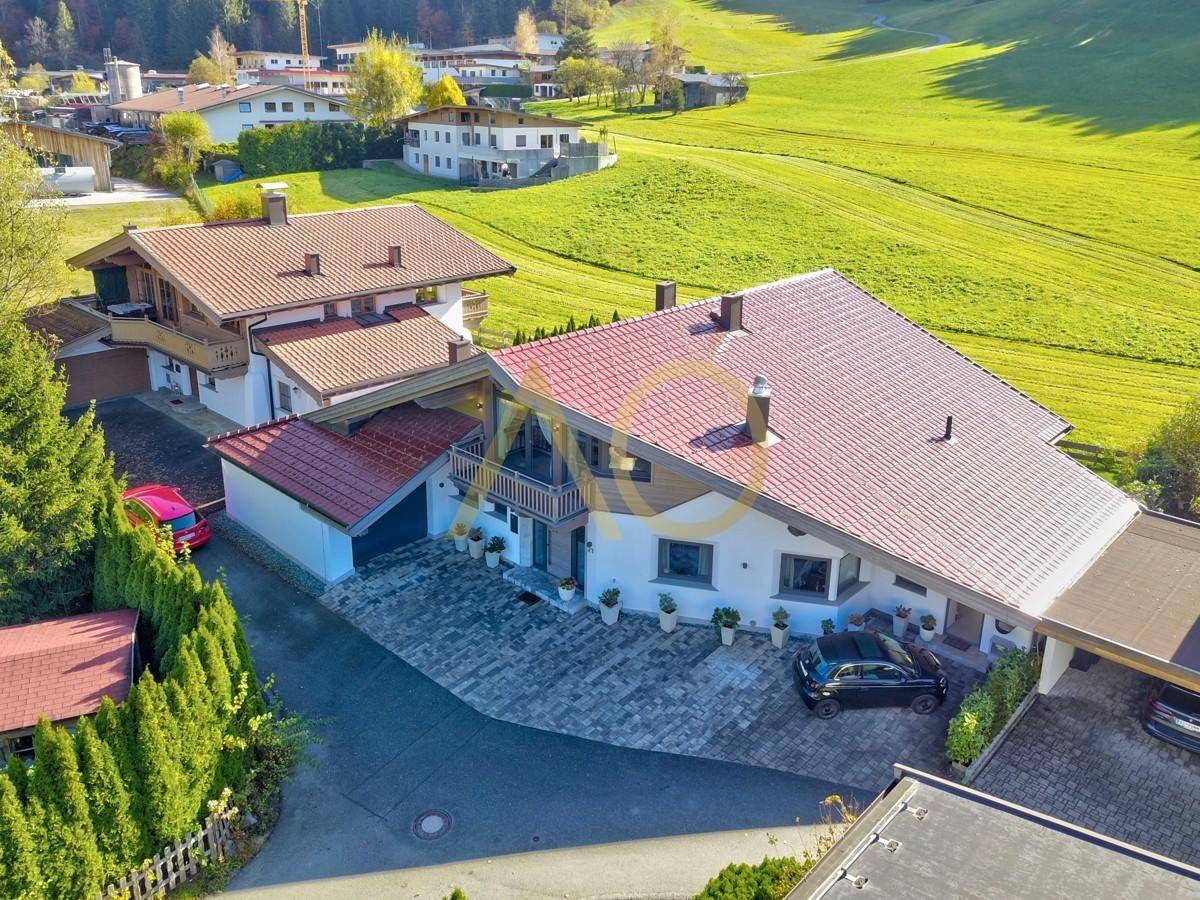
(302, 15)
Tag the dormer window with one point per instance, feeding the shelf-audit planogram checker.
(427, 294)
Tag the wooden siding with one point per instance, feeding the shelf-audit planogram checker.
(664, 490)
(84, 149)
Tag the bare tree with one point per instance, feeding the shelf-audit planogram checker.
(629, 58)
(666, 56)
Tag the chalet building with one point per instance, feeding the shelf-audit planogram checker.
(702, 89)
(283, 314)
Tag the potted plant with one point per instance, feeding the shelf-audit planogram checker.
(491, 553)
(827, 626)
(668, 613)
(928, 627)
(566, 589)
(459, 533)
(475, 542)
(857, 621)
(610, 605)
(780, 630)
(900, 620)
(726, 618)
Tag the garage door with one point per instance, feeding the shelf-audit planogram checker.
(402, 524)
(104, 375)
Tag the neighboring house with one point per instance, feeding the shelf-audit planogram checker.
(274, 59)
(926, 836)
(547, 49)
(479, 64)
(228, 111)
(474, 143)
(700, 89)
(263, 317)
(61, 669)
(344, 54)
(542, 77)
(95, 369)
(320, 81)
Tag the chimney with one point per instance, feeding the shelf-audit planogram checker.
(130, 226)
(312, 263)
(395, 256)
(274, 207)
(180, 93)
(758, 410)
(664, 295)
(731, 312)
(459, 350)
(948, 436)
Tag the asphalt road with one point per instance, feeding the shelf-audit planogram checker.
(394, 744)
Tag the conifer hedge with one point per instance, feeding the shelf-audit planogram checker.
(139, 775)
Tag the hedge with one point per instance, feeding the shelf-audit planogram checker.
(313, 146)
(986, 709)
(771, 879)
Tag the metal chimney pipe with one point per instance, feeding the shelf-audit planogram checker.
(758, 410)
(948, 436)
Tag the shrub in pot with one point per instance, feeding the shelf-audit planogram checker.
(475, 543)
(928, 627)
(610, 605)
(668, 613)
(727, 619)
(827, 626)
(459, 533)
(857, 621)
(900, 620)
(491, 553)
(567, 588)
(780, 628)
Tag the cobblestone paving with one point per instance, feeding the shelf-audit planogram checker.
(1080, 754)
(629, 684)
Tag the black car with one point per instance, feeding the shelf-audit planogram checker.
(866, 668)
(1173, 714)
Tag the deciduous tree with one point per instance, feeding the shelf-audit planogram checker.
(81, 83)
(444, 92)
(525, 34)
(385, 80)
(37, 40)
(1170, 462)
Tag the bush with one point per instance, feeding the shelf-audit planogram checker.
(1011, 678)
(771, 879)
(133, 161)
(176, 175)
(235, 206)
(972, 727)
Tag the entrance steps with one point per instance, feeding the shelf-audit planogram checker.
(544, 586)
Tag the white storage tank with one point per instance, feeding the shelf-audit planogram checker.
(124, 78)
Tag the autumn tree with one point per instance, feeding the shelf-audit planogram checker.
(525, 34)
(202, 71)
(666, 56)
(579, 13)
(7, 68)
(629, 58)
(385, 80)
(81, 83)
(445, 92)
(37, 40)
(34, 79)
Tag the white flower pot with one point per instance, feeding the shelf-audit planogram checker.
(476, 548)
(779, 636)
(492, 559)
(927, 634)
(668, 621)
(850, 626)
(460, 544)
(899, 626)
(566, 595)
(610, 614)
(727, 634)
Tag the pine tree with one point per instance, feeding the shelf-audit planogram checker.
(112, 725)
(157, 759)
(18, 776)
(70, 860)
(200, 732)
(118, 837)
(19, 878)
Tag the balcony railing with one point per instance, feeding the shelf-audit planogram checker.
(552, 503)
(475, 307)
(217, 352)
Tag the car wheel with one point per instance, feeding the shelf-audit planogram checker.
(924, 705)
(827, 709)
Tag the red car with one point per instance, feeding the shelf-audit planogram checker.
(157, 505)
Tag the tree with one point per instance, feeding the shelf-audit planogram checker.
(445, 92)
(525, 33)
(37, 39)
(18, 776)
(64, 35)
(222, 55)
(578, 44)
(167, 812)
(19, 876)
(629, 59)
(547, 26)
(118, 837)
(34, 79)
(7, 68)
(385, 80)
(1170, 462)
(81, 83)
(185, 137)
(573, 74)
(201, 70)
(579, 13)
(666, 57)
(735, 80)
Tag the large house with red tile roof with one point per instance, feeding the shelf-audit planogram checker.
(797, 445)
(260, 318)
(60, 669)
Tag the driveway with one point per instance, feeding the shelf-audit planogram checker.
(152, 447)
(394, 744)
(1080, 754)
(631, 685)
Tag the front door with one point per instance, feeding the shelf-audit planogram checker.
(541, 545)
(426, 164)
(194, 381)
(579, 554)
(966, 623)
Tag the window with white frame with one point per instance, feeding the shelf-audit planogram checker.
(546, 141)
(520, 140)
(269, 106)
(285, 396)
(685, 561)
(288, 106)
(244, 106)
(310, 106)
(804, 575)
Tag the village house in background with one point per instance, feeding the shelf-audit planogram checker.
(705, 89)
(265, 317)
(275, 67)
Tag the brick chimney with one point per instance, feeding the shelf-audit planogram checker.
(395, 256)
(459, 350)
(730, 318)
(758, 410)
(274, 207)
(312, 263)
(664, 295)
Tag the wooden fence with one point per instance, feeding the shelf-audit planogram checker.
(177, 864)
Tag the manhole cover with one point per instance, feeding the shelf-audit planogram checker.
(432, 824)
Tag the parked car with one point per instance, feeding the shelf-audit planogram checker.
(865, 668)
(1172, 714)
(156, 505)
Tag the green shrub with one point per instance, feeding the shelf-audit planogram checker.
(133, 161)
(235, 206)
(1011, 678)
(771, 879)
(972, 727)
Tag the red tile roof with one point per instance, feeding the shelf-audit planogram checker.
(344, 477)
(195, 98)
(860, 399)
(237, 268)
(60, 669)
(335, 355)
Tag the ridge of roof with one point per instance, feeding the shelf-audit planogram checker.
(250, 220)
(248, 429)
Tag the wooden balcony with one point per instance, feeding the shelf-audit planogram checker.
(551, 503)
(195, 343)
(475, 308)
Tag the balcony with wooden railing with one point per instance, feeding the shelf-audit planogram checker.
(551, 503)
(196, 343)
(475, 307)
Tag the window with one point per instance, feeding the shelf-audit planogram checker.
(329, 311)
(546, 141)
(334, 107)
(427, 294)
(564, 138)
(288, 106)
(849, 570)
(466, 138)
(491, 140)
(905, 584)
(448, 138)
(500, 511)
(520, 120)
(166, 295)
(244, 106)
(137, 512)
(464, 116)
(247, 127)
(210, 383)
(804, 575)
(603, 461)
(685, 561)
(310, 106)
(360, 306)
(520, 140)
(145, 283)
(269, 106)
(878, 672)
(437, 137)
(476, 116)
(285, 396)
(437, 162)
(478, 136)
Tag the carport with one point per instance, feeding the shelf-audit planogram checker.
(402, 524)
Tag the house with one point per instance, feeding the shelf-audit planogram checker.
(474, 143)
(542, 77)
(326, 82)
(96, 369)
(925, 836)
(275, 59)
(344, 54)
(60, 669)
(263, 317)
(228, 111)
(702, 89)
(548, 45)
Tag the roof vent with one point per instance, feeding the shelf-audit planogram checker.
(180, 93)
(730, 317)
(758, 410)
(312, 263)
(664, 295)
(948, 436)
(395, 256)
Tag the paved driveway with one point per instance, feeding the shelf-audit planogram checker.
(395, 744)
(1080, 754)
(462, 624)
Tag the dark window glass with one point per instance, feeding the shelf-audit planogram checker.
(681, 559)
(804, 575)
(849, 570)
(547, 141)
(181, 523)
(902, 582)
(288, 106)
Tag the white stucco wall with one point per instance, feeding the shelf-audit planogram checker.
(225, 122)
(444, 504)
(281, 521)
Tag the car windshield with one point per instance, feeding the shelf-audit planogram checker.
(895, 652)
(182, 523)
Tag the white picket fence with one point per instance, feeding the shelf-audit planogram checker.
(176, 864)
